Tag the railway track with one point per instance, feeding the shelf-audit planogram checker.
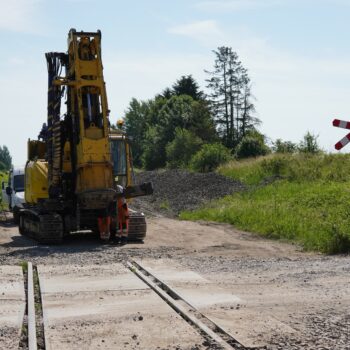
(48, 306)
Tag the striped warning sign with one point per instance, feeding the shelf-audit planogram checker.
(343, 142)
(346, 139)
(341, 124)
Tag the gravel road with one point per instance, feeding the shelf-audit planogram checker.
(290, 299)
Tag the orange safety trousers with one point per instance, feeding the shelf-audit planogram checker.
(123, 218)
(104, 224)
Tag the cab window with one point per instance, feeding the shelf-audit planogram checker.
(119, 161)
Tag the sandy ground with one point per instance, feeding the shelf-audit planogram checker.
(261, 291)
(108, 307)
(12, 306)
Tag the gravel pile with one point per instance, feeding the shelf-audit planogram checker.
(178, 190)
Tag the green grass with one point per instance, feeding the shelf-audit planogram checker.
(24, 265)
(309, 204)
(248, 171)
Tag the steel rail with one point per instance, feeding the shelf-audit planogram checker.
(32, 341)
(170, 296)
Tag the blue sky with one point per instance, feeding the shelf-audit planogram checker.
(297, 53)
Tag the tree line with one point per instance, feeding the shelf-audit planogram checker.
(184, 127)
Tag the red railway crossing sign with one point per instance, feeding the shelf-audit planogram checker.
(346, 139)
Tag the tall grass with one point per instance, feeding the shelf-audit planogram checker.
(294, 167)
(308, 202)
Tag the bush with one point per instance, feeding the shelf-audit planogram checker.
(280, 146)
(309, 144)
(209, 157)
(251, 146)
(180, 151)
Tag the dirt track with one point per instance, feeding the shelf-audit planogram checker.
(289, 299)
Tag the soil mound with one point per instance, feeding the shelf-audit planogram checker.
(178, 190)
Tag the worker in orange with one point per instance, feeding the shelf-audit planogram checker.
(123, 221)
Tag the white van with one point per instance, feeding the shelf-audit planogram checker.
(13, 191)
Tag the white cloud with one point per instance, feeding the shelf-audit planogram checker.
(203, 31)
(18, 15)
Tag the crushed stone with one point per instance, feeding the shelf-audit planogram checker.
(178, 190)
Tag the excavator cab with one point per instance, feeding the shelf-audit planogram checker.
(123, 176)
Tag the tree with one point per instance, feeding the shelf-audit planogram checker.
(158, 119)
(153, 155)
(136, 126)
(180, 151)
(177, 112)
(167, 93)
(164, 116)
(187, 85)
(231, 97)
(5, 158)
(309, 144)
(202, 123)
(246, 122)
(252, 145)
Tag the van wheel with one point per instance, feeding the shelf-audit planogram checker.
(16, 216)
(21, 225)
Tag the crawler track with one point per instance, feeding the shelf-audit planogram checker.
(45, 228)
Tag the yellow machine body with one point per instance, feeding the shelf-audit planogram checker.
(36, 179)
(36, 184)
(67, 163)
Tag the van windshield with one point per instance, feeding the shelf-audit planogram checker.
(18, 183)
